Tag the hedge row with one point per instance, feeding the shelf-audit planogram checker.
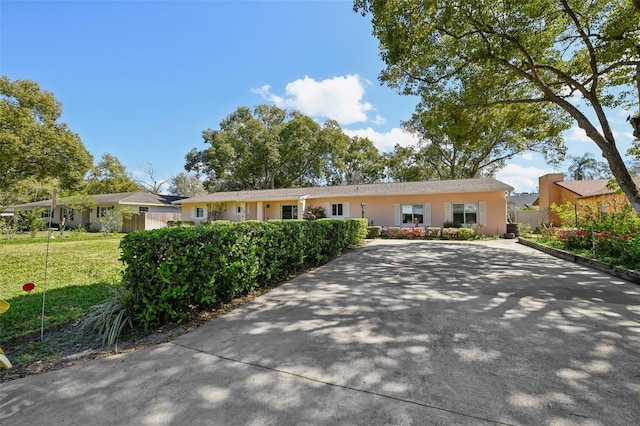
(169, 272)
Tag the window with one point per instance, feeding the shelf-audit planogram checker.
(143, 209)
(199, 212)
(44, 214)
(337, 210)
(466, 214)
(411, 212)
(289, 212)
(238, 209)
(68, 213)
(103, 210)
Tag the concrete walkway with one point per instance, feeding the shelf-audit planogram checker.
(394, 333)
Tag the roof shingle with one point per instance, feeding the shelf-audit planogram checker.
(376, 189)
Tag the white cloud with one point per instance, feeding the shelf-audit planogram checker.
(528, 156)
(576, 134)
(523, 179)
(384, 141)
(379, 120)
(338, 98)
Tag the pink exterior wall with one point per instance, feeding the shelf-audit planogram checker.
(380, 210)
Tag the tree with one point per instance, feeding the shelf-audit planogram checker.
(33, 144)
(583, 168)
(351, 161)
(153, 184)
(577, 58)
(407, 164)
(110, 176)
(462, 135)
(185, 185)
(260, 149)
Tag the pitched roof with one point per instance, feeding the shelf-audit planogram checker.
(590, 188)
(376, 189)
(522, 200)
(124, 198)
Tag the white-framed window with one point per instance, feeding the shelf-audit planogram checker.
(465, 213)
(200, 212)
(289, 212)
(238, 210)
(143, 209)
(412, 212)
(44, 214)
(337, 209)
(101, 211)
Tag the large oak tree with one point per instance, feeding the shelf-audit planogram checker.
(571, 56)
(33, 144)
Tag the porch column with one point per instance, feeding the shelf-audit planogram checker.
(260, 211)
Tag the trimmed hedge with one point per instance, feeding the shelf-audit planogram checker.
(169, 272)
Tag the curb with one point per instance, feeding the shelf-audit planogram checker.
(617, 271)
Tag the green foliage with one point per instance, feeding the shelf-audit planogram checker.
(31, 220)
(261, 149)
(33, 144)
(109, 318)
(110, 176)
(186, 185)
(169, 272)
(451, 224)
(111, 220)
(374, 232)
(543, 57)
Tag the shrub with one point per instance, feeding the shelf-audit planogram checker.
(432, 232)
(451, 224)
(450, 233)
(171, 271)
(574, 239)
(465, 233)
(374, 232)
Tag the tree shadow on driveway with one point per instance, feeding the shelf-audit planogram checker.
(396, 332)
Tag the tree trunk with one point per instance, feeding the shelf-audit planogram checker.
(622, 176)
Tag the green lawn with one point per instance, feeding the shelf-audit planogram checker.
(83, 269)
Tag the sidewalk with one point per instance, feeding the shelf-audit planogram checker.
(397, 332)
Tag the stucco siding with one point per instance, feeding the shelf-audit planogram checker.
(380, 210)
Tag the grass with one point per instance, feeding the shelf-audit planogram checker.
(83, 270)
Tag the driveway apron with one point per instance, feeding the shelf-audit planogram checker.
(395, 332)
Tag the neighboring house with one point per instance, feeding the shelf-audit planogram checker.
(151, 211)
(580, 193)
(479, 203)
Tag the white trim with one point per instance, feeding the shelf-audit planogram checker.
(448, 212)
(397, 215)
(482, 213)
(427, 214)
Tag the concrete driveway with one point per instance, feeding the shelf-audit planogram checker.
(397, 332)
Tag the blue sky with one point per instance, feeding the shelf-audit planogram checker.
(142, 79)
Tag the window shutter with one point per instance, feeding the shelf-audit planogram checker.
(396, 215)
(482, 213)
(193, 212)
(327, 209)
(448, 212)
(427, 214)
(278, 212)
(345, 210)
